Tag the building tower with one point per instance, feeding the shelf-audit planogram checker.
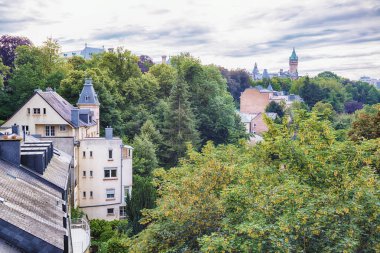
(255, 72)
(88, 99)
(293, 63)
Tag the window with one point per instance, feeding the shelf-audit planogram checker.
(110, 172)
(25, 129)
(86, 98)
(44, 110)
(28, 110)
(36, 111)
(91, 174)
(91, 154)
(110, 193)
(84, 154)
(110, 154)
(84, 195)
(74, 53)
(65, 55)
(84, 173)
(110, 211)
(49, 130)
(123, 211)
(91, 195)
(62, 128)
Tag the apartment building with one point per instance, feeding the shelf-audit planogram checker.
(75, 130)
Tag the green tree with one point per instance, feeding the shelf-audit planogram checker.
(276, 108)
(180, 124)
(212, 105)
(166, 76)
(324, 110)
(121, 64)
(145, 159)
(4, 71)
(299, 190)
(366, 125)
(311, 92)
(143, 197)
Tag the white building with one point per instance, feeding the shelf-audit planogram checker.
(86, 52)
(105, 176)
(373, 81)
(75, 130)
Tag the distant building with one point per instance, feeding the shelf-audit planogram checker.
(86, 53)
(102, 174)
(291, 73)
(369, 80)
(253, 102)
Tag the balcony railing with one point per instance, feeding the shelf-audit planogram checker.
(81, 237)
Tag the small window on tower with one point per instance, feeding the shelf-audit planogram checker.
(86, 98)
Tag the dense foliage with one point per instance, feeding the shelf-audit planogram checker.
(300, 190)
(312, 185)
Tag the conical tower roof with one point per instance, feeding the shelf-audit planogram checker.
(88, 95)
(294, 56)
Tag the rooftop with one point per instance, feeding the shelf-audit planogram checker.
(88, 94)
(61, 106)
(33, 203)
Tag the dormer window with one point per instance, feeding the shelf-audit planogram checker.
(86, 98)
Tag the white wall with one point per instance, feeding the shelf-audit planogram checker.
(98, 184)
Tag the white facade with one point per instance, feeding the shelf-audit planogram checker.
(105, 177)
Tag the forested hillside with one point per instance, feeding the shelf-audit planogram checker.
(312, 185)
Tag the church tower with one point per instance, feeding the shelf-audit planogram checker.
(88, 99)
(293, 63)
(255, 73)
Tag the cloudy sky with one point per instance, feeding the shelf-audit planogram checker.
(340, 36)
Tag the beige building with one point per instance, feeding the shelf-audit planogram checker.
(102, 167)
(105, 169)
(253, 102)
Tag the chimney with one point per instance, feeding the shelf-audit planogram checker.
(109, 133)
(15, 129)
(10, 150)
(75, 117)
(163, 59)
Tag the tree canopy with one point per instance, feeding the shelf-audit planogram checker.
(300, 190)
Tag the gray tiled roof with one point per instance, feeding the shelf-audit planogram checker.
(88, 94)
(57, 170)
(31, 205)
(61, 106)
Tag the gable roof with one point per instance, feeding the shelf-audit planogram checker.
(58, 103)
(61, 106)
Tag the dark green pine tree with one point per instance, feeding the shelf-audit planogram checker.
(180, 124)
(143, 197)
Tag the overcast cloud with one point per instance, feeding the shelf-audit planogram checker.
(340, 36)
